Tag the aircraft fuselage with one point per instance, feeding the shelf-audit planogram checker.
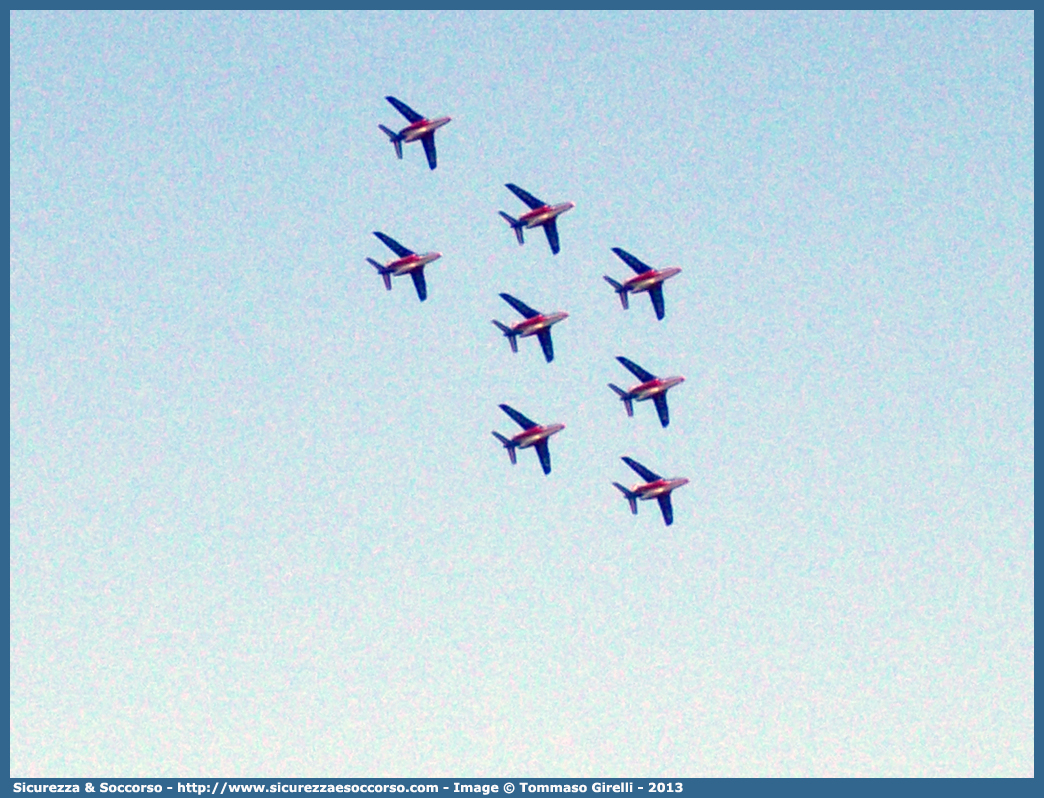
(422, 127)
(544, 214)
(534, 435)
(653, 490)
(654, 387)
(648, 280)
(543, 321)
(411, 263)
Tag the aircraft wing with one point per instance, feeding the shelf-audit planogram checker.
(660, 400)
(525, 196)
(552, 236)
(544, 336)
(429, 148)
(656, 295)
(642, 471)
(422, 286)
(521, 307)
(405, 110)
(522, 421)
(393, 245)
(635, 369)
(545, 456)
(632, 261)
(666, 509)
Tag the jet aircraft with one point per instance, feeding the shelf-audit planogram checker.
(650, 387)
(534, 323)
(645, 279)
(540, 215)
(408, 262)
(418, 128)
(532, 434)
(654, 487)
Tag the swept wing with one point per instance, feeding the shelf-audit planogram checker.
(660, 400)
(632, 261)
(643, 472)
(394, 245)
(522, 421)
(551, 228)
(544, 453)
(419, 283)
(520, 306)
(635, 369)
(429, 149)
(525, 196)
(656, 295)
(666, 509)
(405, 110)
(544, 336)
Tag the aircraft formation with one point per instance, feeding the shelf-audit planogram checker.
(537, 323)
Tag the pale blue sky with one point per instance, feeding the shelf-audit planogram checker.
(260, 527)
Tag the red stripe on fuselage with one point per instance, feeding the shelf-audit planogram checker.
(658, 487)
(532, 436)
(648, 389)
(643, 282)
(533, 325)
(533, 217)
(536, 324)
(646, 280)
(421, 128)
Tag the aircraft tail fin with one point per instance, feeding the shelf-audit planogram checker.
(516, 225)
(626, 397)
(631, 496)
(381, 270)
(396, 140)
(621, 290)
(508, 444)
(512, 336)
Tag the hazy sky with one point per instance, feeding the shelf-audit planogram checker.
(259, 525)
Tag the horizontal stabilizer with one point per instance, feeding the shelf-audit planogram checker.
(631, 496)
(621, 290)
(516, 225)
(626, 397)
(396, 140)
(512, 336)
(509, 445)
(383, 271)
